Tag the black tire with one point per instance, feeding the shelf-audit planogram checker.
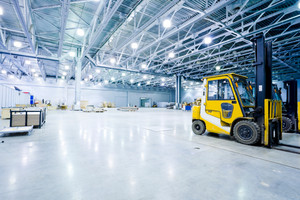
(198, 127)
(287, 124)
(247, 132)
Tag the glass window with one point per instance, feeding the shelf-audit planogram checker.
(212, 90)
(244, 91)
(225, 91)
(220, 90)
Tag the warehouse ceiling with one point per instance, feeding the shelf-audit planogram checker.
(145, 42)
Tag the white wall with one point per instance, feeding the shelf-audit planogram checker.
(10, 97)
(190, 95)
(95, 95)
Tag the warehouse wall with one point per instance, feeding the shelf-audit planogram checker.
(189, 95)
(95, 96)
(10, 97)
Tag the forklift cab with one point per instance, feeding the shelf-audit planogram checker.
(221, 99)
(228, 97)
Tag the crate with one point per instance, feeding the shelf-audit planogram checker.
(32, 117)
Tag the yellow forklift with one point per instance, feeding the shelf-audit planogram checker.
(228, 106)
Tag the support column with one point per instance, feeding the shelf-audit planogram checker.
(178, 91)
(77, 82)
(66, 94)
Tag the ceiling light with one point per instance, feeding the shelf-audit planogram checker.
(32, 70)
(17, 44)
(218, 68)
(36, 75)
(4, 71)
(163, 84)
(145, 77)
(80, 32)
(106, 82)
(63, 77)
(163, 79)
(112, 60)
(98, 71)
(131, 80)
(1, 11)
(131, 16)
(207, 40)
(99, 84)
(90, 76)
(86, 79)
(11, 76)
(72, 54)
(139, 84)
(171, 55)
(123, 74)
(113, 78)
(134, 45)
(148, 82)
(144, 66)
(64, 73)
(27, 62)
(167, 23)
(191, 83)
(67, 67)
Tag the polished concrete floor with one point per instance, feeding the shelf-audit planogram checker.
(149, 154)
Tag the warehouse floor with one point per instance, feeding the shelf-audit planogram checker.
(149, 154)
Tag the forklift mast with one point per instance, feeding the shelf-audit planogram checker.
(263, 80)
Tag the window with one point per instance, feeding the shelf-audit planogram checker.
(220, 90)
(244, 91)
(212, 90)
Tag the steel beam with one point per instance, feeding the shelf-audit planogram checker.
(27, 55)
(23, 24)
(64, 16)
(150, 23)
(42, 69)
(189, 22)
(101, 27)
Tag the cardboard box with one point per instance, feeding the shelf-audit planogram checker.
(5, 112)
(83, 104)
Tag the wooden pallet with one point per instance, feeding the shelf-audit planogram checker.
(128, 109)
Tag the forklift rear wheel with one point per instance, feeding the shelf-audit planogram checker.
(287, 124)
(198, 127)
(247, 132)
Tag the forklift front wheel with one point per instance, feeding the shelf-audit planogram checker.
(198, 127)
(247, 132)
